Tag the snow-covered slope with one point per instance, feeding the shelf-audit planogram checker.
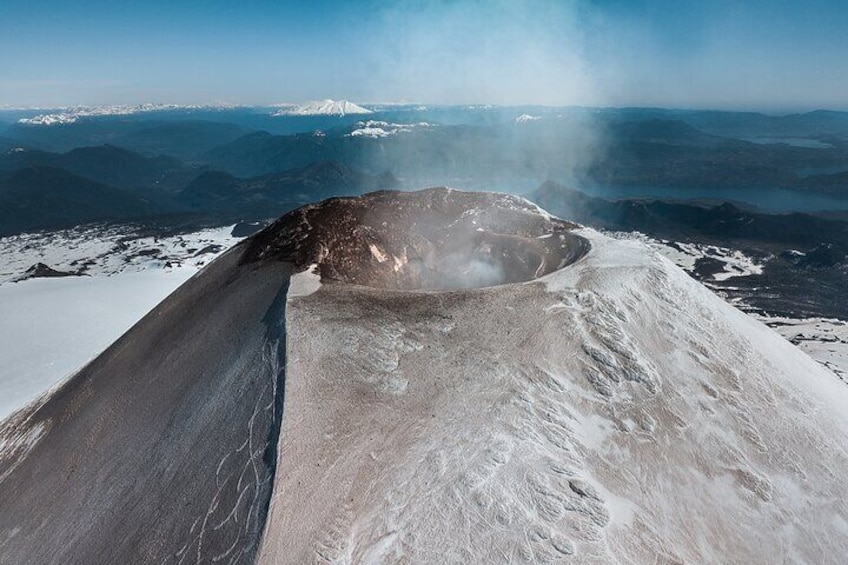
(602, 407)
(823, 339)
(106, 250)
(51, 327)
(322, 108)
(161, 450)
(613, 411)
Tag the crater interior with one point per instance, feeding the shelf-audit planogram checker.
(433, 239)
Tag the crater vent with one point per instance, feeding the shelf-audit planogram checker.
(433, 239)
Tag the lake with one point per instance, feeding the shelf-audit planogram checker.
(766, 199)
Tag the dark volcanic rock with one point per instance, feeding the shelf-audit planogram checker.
(432, 239)
(40, 270)
(822, 256)
(706, 267)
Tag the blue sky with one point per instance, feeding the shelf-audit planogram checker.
(716, 54)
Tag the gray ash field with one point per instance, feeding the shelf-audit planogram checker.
(334, 390)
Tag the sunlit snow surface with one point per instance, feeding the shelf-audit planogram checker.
(615, 411)
(51, 327)
(823, 339)
(99, 250)
(686, 255)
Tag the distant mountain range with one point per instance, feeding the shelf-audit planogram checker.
(239, 160)
(653, 153)
(805, 257)
(681, 220)
(322, 108)
(257, 196)
(45, 197)
(107, 164)
(42, 190)
(74, 113)
(177, 138)
(176, 169)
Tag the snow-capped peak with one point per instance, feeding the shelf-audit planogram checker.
(71, 114)
(322, 108)
(526, 118)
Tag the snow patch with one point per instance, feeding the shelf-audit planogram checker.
(823, 339)
(377, 253)
(686, 255)
(527, 118)
(109, 250)
(305, 282)
(377, 129)
(51, 327)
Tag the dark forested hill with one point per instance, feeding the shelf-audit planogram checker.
(46, 197)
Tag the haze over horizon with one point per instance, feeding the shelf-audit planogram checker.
(720, 54)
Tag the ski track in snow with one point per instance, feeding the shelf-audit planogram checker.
(248, 483)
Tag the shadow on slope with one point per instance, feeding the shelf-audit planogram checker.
(163, 448)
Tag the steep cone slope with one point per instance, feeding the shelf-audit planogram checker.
(613, 411)
(603, 407)
(162, 449)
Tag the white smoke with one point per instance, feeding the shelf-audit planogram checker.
(464, 271)
(482, 52)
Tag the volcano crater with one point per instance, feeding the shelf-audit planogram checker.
(429, 240)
